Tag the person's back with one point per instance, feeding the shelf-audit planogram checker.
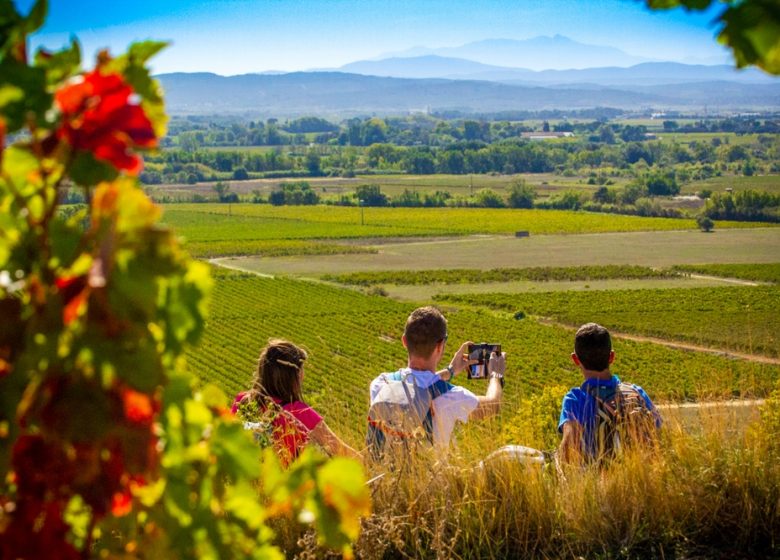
(279, 414)
(604, 415)
(414, 407)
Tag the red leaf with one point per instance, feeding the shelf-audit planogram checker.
(73, 308)
(99, 117)
(138, 406)
(121, 504)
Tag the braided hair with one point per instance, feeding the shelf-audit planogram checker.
(278, 374)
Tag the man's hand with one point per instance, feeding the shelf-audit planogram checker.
(460, 361)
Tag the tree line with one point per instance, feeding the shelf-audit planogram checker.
(694, 160)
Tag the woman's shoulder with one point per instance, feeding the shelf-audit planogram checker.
(303, 412)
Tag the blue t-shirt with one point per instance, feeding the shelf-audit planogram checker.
(579, 406)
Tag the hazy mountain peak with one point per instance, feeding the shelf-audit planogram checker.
(537, 53)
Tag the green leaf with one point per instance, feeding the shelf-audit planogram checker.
(345, 499)
(65, 241)
(86, 170)
(20, 167)
(752, 30)
(59, 65)
(9, 22)
(239, 457)
(687, 4)
(10, 94)
(31, 81)
(212, 396)
(36, 17)
(140, 53)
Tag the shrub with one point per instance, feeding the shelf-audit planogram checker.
(705, 223)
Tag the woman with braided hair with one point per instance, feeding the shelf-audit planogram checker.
(276, 389)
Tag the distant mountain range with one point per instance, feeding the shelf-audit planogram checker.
(538, 53)
(479, 77)
(339, 93)
(648, 73)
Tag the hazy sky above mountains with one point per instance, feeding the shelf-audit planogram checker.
(242, 36)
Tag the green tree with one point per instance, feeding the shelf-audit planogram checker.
(661, 184)
(370, 195)
(521, 195)
(705, 223)
(313, 164)
(488, 198)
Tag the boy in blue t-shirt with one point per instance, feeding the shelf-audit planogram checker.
(582, 406)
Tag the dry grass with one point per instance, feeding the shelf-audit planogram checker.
(710, 488)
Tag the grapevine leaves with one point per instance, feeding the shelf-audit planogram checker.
(98, 306)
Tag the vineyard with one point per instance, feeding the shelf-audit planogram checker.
(476, 276)
(214, 230)
(737, 318)
(351, 337)
(769, 272)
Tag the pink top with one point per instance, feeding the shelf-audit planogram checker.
(290, 428)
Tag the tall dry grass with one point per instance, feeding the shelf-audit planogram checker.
(711, 487)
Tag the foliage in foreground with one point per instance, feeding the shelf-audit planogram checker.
(105, 449)
(751, 28)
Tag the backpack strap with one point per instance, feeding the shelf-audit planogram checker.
(436, 390)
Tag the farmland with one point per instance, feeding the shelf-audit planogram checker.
(340, 281)
(766, 272)
(246, 229)
(477, 276)
(658, 249)
(351, 337)
(737, 318)
(574, 267)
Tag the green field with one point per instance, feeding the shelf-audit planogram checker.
(426, 292)
(766, 272)
(767, 183)
(477, 276)
(654, 249)
(352, 337)
(241, 229)
(737, 318)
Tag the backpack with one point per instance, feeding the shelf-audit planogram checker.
(402, 412)
(622, 420)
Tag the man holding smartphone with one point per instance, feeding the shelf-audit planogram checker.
(425, 338)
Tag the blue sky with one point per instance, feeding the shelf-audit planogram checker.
(240, 36)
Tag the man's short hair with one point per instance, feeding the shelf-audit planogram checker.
(592, 345)
(425, 328)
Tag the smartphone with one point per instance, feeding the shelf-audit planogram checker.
(481, 352)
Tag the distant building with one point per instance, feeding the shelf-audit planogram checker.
(546, 135)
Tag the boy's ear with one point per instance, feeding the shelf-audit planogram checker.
(403, 341)
(575, 359)
(611, 356)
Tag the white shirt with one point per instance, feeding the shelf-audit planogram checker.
(456, 404)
